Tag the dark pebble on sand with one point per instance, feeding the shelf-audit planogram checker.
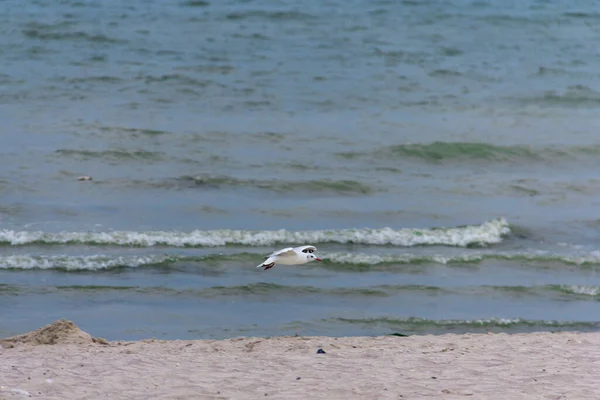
(321, 351)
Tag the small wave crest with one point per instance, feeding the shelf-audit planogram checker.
(281, 15)
(573, 96)
(490, 232)
(80, 263)
(338, 187)
(439, 152)
(63, 31)
(357, 262)
(411, 323)
(561, 292)
(580, 290)
(113, 155)
(358, 259)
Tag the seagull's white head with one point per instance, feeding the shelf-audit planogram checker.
(311, 257)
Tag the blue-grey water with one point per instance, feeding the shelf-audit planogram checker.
(442, 155)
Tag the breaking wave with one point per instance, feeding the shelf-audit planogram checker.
(357, 262)
(592, 258)
(413, 324)
(81, 263)
(490, 232)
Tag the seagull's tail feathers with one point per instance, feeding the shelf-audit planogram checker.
(268, 263)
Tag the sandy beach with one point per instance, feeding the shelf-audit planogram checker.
(59, 361)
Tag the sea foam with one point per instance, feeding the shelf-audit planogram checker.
(490, 232)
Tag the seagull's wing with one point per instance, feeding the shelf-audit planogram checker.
(306, 249)
(288, 251)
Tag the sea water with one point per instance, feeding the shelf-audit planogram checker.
(442, 155)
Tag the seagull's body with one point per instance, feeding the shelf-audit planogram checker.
(290, 256)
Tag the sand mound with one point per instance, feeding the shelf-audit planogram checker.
(58, 332)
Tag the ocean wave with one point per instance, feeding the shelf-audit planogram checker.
(490, 232)
(128, 132)
(177, 79)
(81, 263)
(581, 290)
(323, 187)
(337, 261)
(582, 14)
(90, 79)
(251, 289)
(111, 155)
(358, 259)
(195, 3)
(271, 15)
(59, 31)
(346, 187)
(575, 292)
(438, 152)
(573, 96)
(410, 323)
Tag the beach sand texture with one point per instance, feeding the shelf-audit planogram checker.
(59, 361)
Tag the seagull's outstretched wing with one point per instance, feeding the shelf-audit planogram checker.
(306, 249)
(288, 251)
(271, 258)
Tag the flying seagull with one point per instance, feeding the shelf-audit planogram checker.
(290, 256)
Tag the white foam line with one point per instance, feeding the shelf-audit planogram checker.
(75, 263)
(100, 262)
(487, 233)
(580, 289)
(407, 258)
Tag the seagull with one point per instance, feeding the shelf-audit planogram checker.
(290, 256)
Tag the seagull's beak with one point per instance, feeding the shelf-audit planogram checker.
(318, 259)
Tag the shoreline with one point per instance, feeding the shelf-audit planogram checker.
(59, 361)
